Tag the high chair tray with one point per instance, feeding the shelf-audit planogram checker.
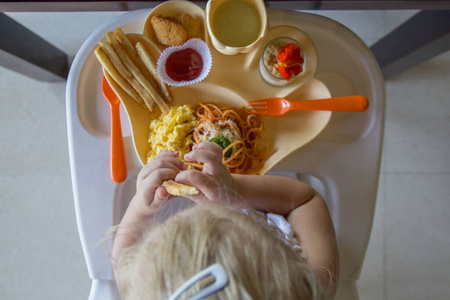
(333, 159)
(232, 81)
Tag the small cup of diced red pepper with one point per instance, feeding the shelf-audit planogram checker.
(282, 60)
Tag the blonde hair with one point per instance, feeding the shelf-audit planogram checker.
(259, 265)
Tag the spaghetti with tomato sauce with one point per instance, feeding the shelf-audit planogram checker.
(240, 133)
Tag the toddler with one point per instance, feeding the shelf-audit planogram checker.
(249, 237)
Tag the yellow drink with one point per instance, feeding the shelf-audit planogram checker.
(236, 23)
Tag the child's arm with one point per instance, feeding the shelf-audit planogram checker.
(307, 213)
(298, 202)
(312, 225)
(274, 194)
(150, 197)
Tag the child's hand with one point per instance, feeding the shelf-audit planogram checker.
(214, 182)
(150, 194)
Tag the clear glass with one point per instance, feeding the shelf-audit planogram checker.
(274, 78)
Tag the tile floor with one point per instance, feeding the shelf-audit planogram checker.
(40, 252)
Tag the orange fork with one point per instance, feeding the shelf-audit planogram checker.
(279, 106)
(118, 158)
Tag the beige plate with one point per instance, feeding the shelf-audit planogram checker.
(233, 81)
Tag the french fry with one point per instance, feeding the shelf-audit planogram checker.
(127, 62)
(149, 62)
(109, 67)
(119, 38)
(123, 39)
(145, 60)
(128, 46)
(127, 74)
(142, 80)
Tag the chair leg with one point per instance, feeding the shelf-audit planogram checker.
(423, 36)
(25, 52)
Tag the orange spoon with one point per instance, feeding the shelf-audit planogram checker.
(118, 159)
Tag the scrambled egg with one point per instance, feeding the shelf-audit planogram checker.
(172, 131)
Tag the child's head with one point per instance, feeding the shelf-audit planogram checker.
(259, 265)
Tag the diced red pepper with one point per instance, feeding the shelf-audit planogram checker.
(282, 55)
(290, 53)
(290, 60)
(284, 72)
(288, 71)
(295, 69)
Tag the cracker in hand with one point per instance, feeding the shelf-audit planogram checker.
(179, 189)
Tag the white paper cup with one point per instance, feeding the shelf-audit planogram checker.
(196, 44)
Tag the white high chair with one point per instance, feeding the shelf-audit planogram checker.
(342, 163)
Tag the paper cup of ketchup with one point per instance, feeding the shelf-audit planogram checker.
(236, 26)
(186, 64)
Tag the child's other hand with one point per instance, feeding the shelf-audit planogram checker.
(150, 193)
(214, 182)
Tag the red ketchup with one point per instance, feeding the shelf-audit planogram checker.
(184, 65)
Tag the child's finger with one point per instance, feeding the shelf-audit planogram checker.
(162, 161)
(156, 178)
(191, 177)
(212, 160)
(160, 198)
(167, 153)
(209, 146)
(162, 174)
(199, 180)
(203, 182)
(167, 163)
